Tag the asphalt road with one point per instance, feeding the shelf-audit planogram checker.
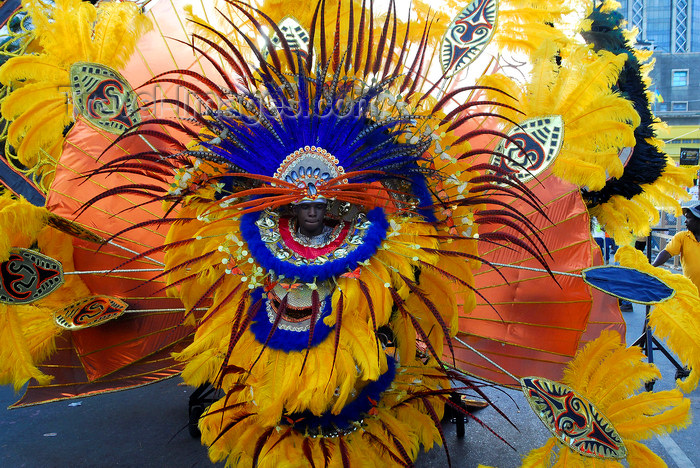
(146, 427)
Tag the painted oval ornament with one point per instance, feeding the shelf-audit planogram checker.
(628, 283)
(573, 419)
(294, 33)
(104, 97)
(530, 148)
(468, 35)
(28, 276)
(89, 311)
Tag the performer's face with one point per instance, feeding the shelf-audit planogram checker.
(310, 217)
(692, 222)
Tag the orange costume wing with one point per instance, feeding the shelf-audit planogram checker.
(527, 322)
(136, 348)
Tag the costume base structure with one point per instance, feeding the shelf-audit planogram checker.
(457, 187)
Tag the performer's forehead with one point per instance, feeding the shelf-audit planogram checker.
(315, 203)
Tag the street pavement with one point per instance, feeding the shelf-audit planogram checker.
(147, 427)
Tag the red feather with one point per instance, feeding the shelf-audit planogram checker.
(404, 47)
(470, 415)
(398, 445)
(326, 451)
(376, 440)
(262, 440)
(196, 90)
(433, 310)
(283, 40)
(344, 456)
(338, 323)
(420, 55)
(399, 303)
(392, 44)
(148, 133)
(243, 70)
(230, 426)
(212, 312)
(360, 37)
(336, 38)
(271, 50)
(315, 310)
(278, 318)
(306, 449)
(436, 420)
(382, 42)
(215, 64)
(370, 41)
(192, 74)
(351, 31)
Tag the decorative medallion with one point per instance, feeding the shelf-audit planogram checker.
(104, 97)
(468, 35)
(277, 234)
(628, 284)
(275, 248)
(573, 419)
(89, 311)
(297, 37)
(28, 276)
(531, 147)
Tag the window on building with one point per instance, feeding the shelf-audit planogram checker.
(679, 78)
(679, 106)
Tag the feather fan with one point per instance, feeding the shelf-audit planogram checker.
(674, 320)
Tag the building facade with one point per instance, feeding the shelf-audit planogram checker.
(671, 28)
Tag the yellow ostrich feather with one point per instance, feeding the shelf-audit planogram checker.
(676, 320)
(39, 107)
(523, 26)
(65, 30)
(20, 223)
(33, 117)
(118, 27)
(45, 131)
(541, 457)
(624, 219)
(28, 332)
(283, 448)
(32, 68)
(597, 121)
(18, 365)
(610, 376)
(642, 456)
(642, 416)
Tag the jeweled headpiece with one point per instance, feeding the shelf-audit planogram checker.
(313, 170)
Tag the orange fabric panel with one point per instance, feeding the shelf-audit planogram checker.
(537, 323)
(82, 153)
(118, 343)
(71, 381)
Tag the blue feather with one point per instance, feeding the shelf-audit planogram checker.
(354, 411)
(287, 340)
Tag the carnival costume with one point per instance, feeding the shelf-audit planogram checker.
(342, 349)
